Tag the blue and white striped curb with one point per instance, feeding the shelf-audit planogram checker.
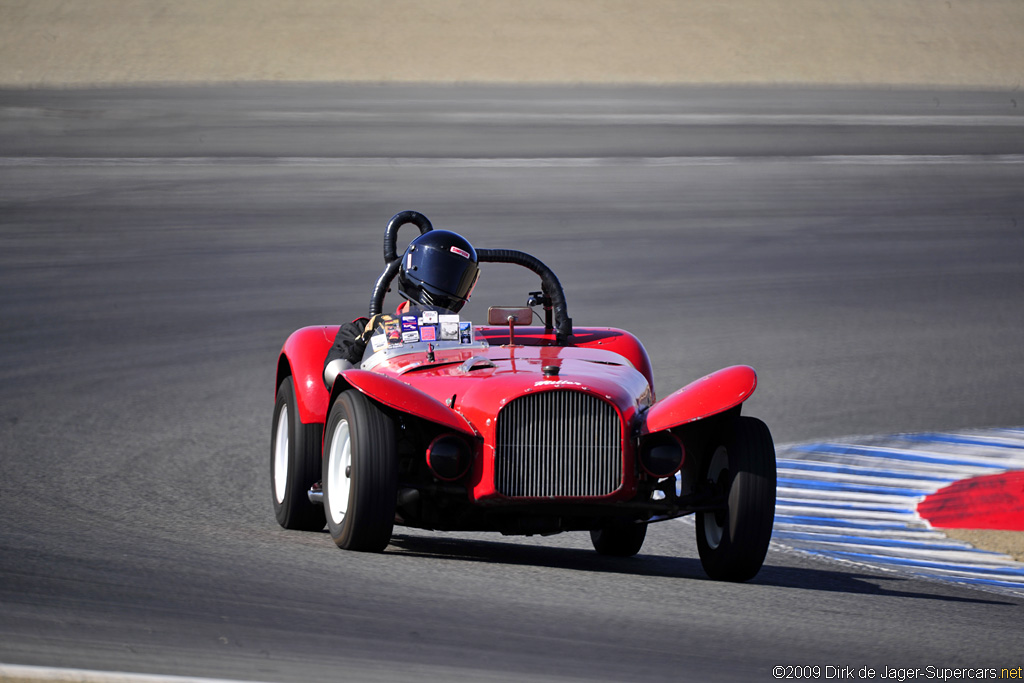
(855, 500)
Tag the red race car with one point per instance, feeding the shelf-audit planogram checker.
(515, 428)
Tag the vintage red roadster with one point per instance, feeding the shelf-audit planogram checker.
(515, 428)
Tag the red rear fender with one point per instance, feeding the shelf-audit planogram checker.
(402, 397)
(303, 358)
(708, 396)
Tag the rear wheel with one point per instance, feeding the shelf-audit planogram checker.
(294, 464)
(360, 473)
(620, 539)
(733, 541)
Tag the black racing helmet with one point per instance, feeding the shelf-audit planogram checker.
(439, 268)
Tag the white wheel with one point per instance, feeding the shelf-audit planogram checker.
(281, 456)
(294, 463)
(360, 473)
(339, 472)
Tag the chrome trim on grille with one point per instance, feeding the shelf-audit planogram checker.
(558, 443)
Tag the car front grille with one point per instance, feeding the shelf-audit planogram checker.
(558, 443)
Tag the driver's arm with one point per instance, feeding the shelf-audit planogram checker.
(349, 344)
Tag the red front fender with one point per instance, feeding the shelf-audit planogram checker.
(400, 396)
(708, 396)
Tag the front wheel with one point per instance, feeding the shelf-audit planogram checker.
(732, 542)
(360, 473)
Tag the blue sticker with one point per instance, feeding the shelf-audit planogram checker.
(409, 323)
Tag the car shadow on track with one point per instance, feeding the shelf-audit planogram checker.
(865, 584)
(661, 566)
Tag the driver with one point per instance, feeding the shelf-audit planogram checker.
(439, 269)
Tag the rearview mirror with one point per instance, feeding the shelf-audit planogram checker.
(503, 315)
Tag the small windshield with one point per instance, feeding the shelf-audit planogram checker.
(417, 330)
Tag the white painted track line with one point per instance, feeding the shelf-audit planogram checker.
(509, 162)
(13, 673)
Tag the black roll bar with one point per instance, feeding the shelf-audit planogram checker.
(553, 296)
(397, 221)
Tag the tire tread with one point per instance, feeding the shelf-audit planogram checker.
(370, 519)
(742, 550)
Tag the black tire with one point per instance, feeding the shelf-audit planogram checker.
(733, 542)
(294, 464)
(360, 474)
(619, 539)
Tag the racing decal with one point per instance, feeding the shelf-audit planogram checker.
(393, 332)
(461, 252)
(859, 502)
(429, 318)
(378, 342)
(428, 333)
(449, 327)
(410, 329)
(466, 332)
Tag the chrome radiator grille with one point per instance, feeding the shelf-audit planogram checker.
(558, 443)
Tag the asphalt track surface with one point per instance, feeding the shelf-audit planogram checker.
(863, 250)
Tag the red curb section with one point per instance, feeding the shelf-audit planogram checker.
(991, 502)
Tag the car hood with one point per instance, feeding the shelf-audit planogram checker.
(478, 383)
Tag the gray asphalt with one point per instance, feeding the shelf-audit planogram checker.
(864, 250)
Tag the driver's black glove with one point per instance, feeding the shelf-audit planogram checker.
(372, 324)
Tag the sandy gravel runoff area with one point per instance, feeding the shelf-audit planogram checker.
(1006, 542)
(943, 43)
